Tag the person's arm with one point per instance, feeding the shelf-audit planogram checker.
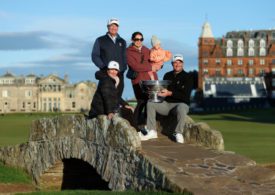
(182, 92)
(157, 55)
(138, 64)
(124, 56)
(168, 55)
(96, 55)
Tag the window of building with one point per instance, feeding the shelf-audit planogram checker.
(273, 71)
(45, 107)
(240, 52)
(262, 61)
(205, 54)
(262, 43)
(34, 105)
(23, 105)
(240, 72)
(218, 72)
(218, 60)
(229, 71)
(229, 52)
(205, 71)
(28, 93)
(251, 52)
(262, 72)
(251, 43)
(250, 62)
(229, 44)
(50, 106)
(240, 62)
(73, 104)
(273, 35)
(205, 61)
(240, 43)
(251, 71)
(273, 82)
(229, 62)
(262, 51)
(273, 61)
(5, 93)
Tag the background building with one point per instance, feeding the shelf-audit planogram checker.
(241, 63)
(43, 94)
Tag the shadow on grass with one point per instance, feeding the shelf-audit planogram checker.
(257, 116)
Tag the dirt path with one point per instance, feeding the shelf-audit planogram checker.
(14, 188)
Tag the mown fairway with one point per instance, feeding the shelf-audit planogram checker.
(14, 128)
(250, 133)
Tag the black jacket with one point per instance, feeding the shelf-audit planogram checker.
(181, 86)
(106, 99)
(105, 50)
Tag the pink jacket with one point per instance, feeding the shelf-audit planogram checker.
(159, 56)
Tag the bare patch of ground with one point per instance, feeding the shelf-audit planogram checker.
(14, 188)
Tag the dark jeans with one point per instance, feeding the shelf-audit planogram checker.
(120, 87)
(129, 116)
(142, 99)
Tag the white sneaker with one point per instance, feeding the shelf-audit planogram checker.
(144, 130)
(152, 134)
(179, 138)
(142, 137)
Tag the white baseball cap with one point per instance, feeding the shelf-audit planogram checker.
(113, 65)
(113, 21)
(177, 57)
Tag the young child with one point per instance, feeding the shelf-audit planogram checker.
(158, 55)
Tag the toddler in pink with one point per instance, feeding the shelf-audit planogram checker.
(158, 55)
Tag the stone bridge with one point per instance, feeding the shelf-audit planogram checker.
(70, 152)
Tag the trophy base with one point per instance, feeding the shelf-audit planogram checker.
(155, 101)
(153, 97)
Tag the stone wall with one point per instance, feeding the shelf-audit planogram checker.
(112, 147)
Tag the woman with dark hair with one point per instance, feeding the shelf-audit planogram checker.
(138, 60)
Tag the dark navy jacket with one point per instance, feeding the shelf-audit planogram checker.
(181, 86)
(105, 50)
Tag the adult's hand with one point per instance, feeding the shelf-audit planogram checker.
(129, 107)
(165, 93)
(154, 69)
(110, 115)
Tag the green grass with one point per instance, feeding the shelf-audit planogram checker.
(13, 175)
(15, 128)
(250, 133)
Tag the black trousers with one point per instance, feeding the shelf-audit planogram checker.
(120, 87)
(140, 110)
(128, 115)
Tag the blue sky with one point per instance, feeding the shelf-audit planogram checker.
(56, 36)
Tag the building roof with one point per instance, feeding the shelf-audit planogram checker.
(250, 34)
(206, 31)
(8, 74)
(31, 75)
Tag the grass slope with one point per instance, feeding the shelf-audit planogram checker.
(250, 133)
(13, 175)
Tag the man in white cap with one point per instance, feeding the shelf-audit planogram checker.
(111, 47)
(177, 97)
